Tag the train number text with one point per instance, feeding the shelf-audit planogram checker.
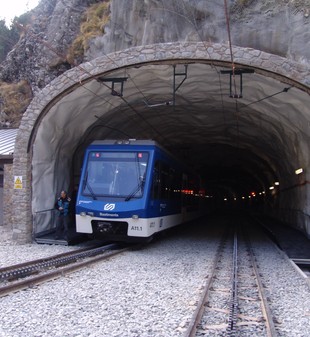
(136, 228)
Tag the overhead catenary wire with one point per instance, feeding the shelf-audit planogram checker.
(230, 46)
(47, 45)
(286, 89)
(193, 22)
(233, 72)
(191, 19)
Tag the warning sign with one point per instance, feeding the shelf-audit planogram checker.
(18, 182)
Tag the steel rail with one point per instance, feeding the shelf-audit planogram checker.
(196, 318)
(270, 327)
(233, 312)
(31, 267)
(305, 262)
(231, 329)
(35, 280)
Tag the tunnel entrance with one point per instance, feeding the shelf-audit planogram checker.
(246, 149)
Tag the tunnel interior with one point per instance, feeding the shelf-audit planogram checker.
(246, 149)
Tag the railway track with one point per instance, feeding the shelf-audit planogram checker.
(31, 273)
(233, 301)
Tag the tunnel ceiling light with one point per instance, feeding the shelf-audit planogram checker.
(271, 188)
(165, 103)
(277, 183)
(299, 171)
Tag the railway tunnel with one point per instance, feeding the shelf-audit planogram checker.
(244, 127)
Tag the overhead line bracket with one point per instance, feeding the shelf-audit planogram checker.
(175, 74)
(115, 80)
(232, 74)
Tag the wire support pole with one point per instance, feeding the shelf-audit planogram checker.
(175, 88)
(230, 44)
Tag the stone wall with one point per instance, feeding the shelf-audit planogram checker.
(1, 205)
(22, 215)
(6, 228)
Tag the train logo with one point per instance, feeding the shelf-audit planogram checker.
(109, 207)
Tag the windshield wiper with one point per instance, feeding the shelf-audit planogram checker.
(136, 190)
(86, 183)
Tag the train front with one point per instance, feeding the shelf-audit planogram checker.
(111, 202)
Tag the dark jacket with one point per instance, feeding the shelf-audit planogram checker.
(63, 203)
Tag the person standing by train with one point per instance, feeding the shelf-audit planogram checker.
(63, 206)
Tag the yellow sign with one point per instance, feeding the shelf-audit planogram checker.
(18, 182)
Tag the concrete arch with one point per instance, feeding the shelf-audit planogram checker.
(278, 68)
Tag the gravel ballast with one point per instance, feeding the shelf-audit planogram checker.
(151, 292)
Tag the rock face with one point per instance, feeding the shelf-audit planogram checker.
(280, 27)
(40, 54)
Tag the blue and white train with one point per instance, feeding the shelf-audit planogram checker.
(130, 190)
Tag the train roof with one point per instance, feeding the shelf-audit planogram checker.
(125, 142)
(138, 142)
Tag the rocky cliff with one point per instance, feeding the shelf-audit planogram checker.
(40, 54)
(62, 34)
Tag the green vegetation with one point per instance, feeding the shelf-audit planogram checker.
(93, 23)
(243, 2)
(8, 38)
(14, 98)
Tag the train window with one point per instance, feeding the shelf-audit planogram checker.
(190, 191)
(156, 181)
(175, 177)
(117, 174)
(166, 182)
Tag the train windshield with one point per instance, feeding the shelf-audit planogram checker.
(115, 174)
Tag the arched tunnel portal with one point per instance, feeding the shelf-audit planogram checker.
(188, 98)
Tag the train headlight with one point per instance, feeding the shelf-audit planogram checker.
(135, 216)
(82, 214)
(90, 213)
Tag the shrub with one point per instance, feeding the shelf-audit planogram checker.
(93, 23)
(14, 98)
